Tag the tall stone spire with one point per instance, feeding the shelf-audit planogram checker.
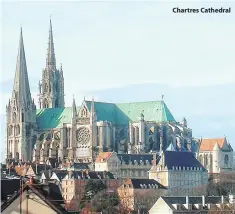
(21, 91)
(21, 112)
(51, 87)
(50, 61)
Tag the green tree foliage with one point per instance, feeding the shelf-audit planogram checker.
(91, 189)
(105, 202)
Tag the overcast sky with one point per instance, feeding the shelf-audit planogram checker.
(104, 45)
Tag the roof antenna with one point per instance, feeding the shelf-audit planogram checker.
(162, 96)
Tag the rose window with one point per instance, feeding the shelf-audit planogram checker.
(83, 136)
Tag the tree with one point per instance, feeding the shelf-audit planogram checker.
(91, 189)
(105, 202)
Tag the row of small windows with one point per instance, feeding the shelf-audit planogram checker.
(186, 168)
(14, 130)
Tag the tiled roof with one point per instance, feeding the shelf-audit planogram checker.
(117, 113)
(182, 159)
(137, 183)
(103, 156)
(91, 175)
(208, 144)
(135, 158)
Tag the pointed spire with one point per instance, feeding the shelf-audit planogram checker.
(74, 110)
(51, 62)
(92, 111)
(61, 70)
(21, 89)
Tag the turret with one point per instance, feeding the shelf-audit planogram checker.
(184, 122)
(142, 130)
(74, 112)
(216, 158)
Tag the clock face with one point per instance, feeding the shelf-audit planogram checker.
(83, 136)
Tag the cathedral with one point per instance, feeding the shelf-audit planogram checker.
(79, 133)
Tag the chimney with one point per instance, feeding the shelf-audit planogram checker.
(203, 200)
(31, 180)
(36, 168)
(49, 173)
(222, 199)
(187, 200)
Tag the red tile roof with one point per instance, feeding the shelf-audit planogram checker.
(208, 144)
(103, 156)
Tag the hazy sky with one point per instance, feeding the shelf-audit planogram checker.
(109, 44)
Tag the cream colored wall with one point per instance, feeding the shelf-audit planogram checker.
(35, 206)
(160, 207)
(181, 182)
(101, 166)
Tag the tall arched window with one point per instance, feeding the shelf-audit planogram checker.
(200, 158)
(226, 159)
(84, 112)
(46, 87)
(14, 117)
(206, 160)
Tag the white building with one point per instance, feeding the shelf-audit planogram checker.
(216, 155)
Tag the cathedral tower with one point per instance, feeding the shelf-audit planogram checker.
(51, 87)
(20, 112)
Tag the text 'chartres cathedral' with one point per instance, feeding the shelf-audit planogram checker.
(78, 133)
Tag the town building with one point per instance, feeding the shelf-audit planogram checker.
(79, 133)
(34, 199)
(216, 155)
(73, 186)
(180, 172)
(124, 165)
(140, 194)
(192, 205)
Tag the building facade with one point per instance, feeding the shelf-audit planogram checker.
(216, 155)
(180, 172)
(79, 133)
(124, 165)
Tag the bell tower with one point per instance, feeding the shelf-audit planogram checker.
(51, 87)
(20, 112)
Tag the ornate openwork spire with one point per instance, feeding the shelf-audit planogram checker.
(51, 62)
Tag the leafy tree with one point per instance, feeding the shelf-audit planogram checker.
(105, 202)
(91, 189)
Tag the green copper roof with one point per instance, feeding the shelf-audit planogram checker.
(153, 111)
(104, 111)
(119, 113)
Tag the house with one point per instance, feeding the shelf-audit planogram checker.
(73, 185)
(216, 155)
(108, 161)
(34, 199)
(190, 204)
(137, 194)
(180, 172)
(135, 165)
(124, 165)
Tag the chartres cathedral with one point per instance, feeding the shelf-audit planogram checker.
(78, 133)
